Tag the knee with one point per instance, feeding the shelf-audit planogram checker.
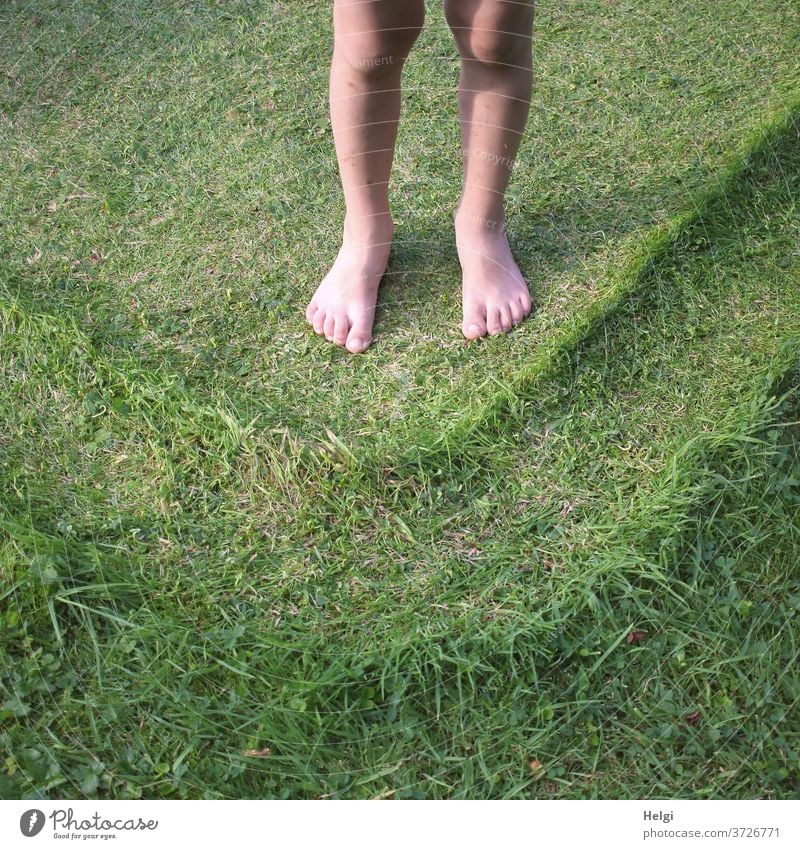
(376, 53)
(497, 38)
(492, 47)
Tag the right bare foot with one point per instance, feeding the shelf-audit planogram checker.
(343, 307)
(495, 294)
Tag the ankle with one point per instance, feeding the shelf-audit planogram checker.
(480, 224)
(375, 228)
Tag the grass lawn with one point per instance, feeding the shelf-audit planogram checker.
(239, 562)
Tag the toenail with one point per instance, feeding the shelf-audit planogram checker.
(473, 327)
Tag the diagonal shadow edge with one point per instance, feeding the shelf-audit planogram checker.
(444, 450)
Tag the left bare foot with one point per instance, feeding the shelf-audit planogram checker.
(495, 295)
(343, 307)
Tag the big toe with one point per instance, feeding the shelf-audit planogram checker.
(474, 324)
(360, 336)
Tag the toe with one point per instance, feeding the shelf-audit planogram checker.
(340, 329)
(310, 311)
(525, 303)
(357, 344)
(318, 321)
(474, 330)
(506, 322)
(493, 324)
(474, 324)
(360, 335)
(517, 312)
(328, 327)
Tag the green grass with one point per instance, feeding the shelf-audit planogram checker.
(414, 572)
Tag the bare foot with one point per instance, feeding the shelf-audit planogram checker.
(343, 307)
(495, 295)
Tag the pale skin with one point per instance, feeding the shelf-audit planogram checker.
(372, 39)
